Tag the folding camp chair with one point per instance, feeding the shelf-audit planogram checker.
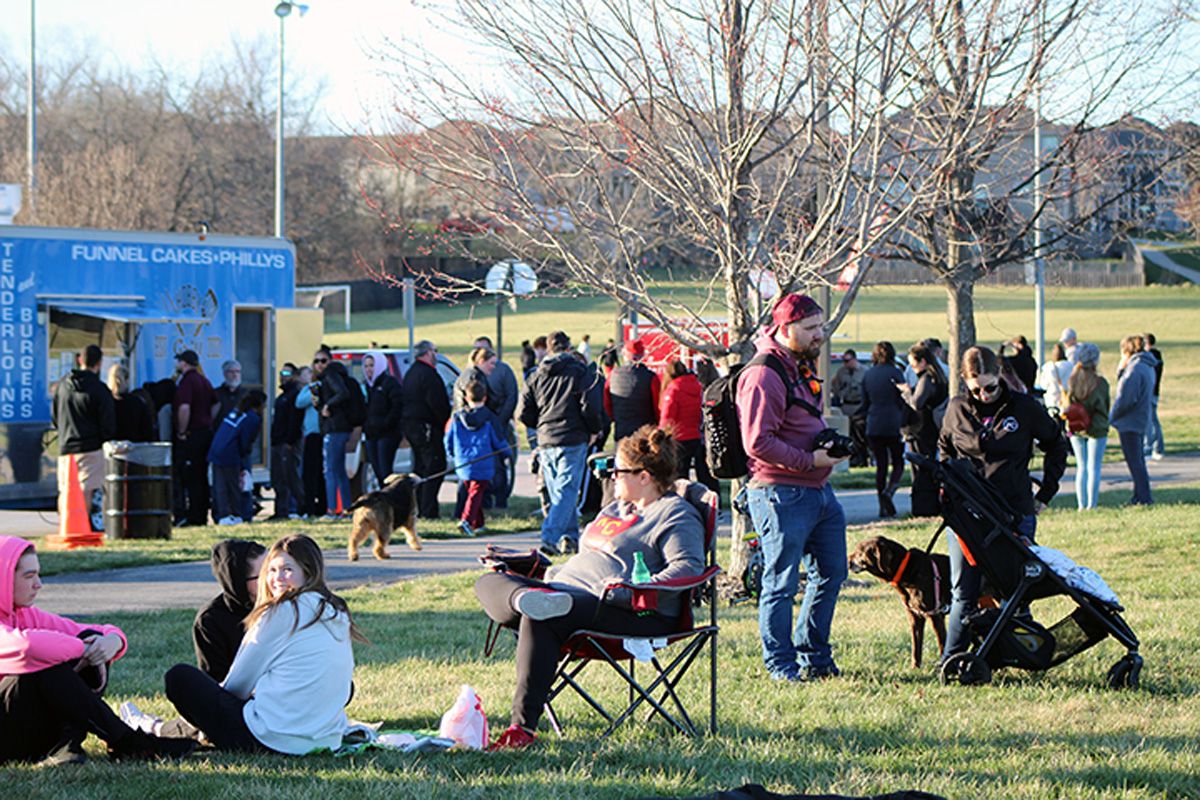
(587, 647)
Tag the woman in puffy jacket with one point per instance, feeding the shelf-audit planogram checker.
(680, 413)
(1090, 391)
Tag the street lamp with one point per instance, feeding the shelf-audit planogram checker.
(282, 10)
(31, 109)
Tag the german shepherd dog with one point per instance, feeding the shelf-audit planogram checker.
(393, 506)
(922, 579)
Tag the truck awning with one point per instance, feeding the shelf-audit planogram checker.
(135, 314)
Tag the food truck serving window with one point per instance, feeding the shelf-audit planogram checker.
(70, 333)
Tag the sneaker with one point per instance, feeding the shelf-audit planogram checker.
(67, 752)
(789, 676)
(139, 746)
(1156, 456)
(514, 738)
(294, 516)
(829, 670)
(542, 604)
(466, 528)
(567, 546)
(230, 520)
(137, 719)
(549, 549)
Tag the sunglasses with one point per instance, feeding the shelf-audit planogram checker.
(985, 389)
(320, 360)
(622, 471)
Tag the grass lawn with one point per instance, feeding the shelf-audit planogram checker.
(900, 314)
(195, 544)
(881, 727)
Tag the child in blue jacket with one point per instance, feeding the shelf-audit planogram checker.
(229, 455)
(472, 435)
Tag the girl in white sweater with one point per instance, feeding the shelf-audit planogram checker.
(291, 678)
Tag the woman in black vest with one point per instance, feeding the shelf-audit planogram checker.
(925, 408)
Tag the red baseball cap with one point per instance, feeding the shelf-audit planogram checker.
(793, 307)
(635, 348)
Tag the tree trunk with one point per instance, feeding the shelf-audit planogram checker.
(960, 313)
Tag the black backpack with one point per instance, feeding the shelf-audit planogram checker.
(356, 406)
(723, 449)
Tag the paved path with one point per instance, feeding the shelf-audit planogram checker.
(190, 585)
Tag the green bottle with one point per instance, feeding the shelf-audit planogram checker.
(641, 573)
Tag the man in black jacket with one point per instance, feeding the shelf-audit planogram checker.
(85, 416)
(559, 401)
(631, 394)
(287, 423)
(426, 412)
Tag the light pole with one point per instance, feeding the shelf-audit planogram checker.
(282, 10)
(31, 110)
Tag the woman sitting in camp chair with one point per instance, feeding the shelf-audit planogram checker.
(647, 518)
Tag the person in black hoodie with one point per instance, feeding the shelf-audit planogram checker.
(385, 403)
(426, 412)
(135, 419)
(287, 423)
(85, 416)
(921, 431)
(560, 401)
(217, 631)
(996, 429)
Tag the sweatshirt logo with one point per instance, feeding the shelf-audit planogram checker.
(599, 535)
(1008, 425)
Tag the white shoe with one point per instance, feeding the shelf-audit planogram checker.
(294, 516)
(1156, 457)
(542, 604)
(139, 720)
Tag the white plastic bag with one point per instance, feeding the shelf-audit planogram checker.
(465, 722)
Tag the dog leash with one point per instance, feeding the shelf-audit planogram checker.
(422, 479)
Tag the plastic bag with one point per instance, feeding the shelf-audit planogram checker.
(465, 722)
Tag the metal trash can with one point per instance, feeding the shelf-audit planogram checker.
(137, 490)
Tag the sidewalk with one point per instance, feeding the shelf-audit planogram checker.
(190, 585)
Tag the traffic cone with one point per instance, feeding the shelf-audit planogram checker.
(75, 526)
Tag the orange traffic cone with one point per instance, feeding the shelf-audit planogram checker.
(75, 526)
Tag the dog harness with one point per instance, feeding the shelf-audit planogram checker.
(938, 606)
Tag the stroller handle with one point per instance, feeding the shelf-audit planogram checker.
(925, 462)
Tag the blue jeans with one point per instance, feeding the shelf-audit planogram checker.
(798, 525)
(336, 480)
(381, 453)
(562, 471)
(1154, 437)
(964, 589)
(1135, 459)
(1089, 456)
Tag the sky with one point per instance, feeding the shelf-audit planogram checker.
(329, 44)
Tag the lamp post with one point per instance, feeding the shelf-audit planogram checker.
(282, 10)
(31, 110)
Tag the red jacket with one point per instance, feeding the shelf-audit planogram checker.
(680, 408)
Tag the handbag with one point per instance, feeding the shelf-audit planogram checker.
(1077, 417)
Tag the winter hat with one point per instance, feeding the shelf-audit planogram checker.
(793, 307)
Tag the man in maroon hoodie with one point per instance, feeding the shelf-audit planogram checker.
(795, 512)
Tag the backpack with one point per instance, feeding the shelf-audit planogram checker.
(723, 449)
(1077, 418)
(356, 406)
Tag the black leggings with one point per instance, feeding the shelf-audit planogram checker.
(207, 705)
(538, 642)
(883, 448)
(43, 711)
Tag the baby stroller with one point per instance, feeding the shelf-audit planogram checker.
(1008, 636)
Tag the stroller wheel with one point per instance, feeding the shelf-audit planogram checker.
(967, 669)
(1126, 673)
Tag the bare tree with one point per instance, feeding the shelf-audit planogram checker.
(747, 135)
(981, 64)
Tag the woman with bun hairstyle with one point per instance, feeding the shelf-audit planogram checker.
(996, 428)
(647, 517)
(53, 672)
(290, 681)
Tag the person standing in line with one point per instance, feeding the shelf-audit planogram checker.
(385, 407)
(883, 408)
(287, 424)
(312, 457)
(631, 395)
(927, 404)
(1090, 390)
(334, 404)
(1154, 446)
(229, 393)
(84, 414)
(426, 412)
(1130, 412)
(846, 393)
(797, 515)
(681, 416)
(229, 454)
(135, 419)
(193, 405)
(503, 394)
(559, 403)
(1054, 376)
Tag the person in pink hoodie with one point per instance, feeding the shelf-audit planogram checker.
(53, 672)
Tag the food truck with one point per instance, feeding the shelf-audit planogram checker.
(143, 298)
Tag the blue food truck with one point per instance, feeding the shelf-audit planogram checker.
(142, 297)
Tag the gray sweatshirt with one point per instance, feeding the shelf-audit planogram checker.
(669, 534)
(1133, 404)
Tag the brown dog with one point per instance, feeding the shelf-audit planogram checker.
(923, 580)
(393, 506)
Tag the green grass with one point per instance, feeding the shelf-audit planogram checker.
(881, 727)
(900, 314)
(195, 544)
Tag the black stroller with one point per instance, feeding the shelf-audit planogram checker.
(1012, 573)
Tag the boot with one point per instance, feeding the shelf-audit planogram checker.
(138, 746)
(887, 509)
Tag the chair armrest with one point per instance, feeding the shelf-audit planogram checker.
(645, 595)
